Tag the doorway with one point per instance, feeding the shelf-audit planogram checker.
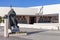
(32, 20)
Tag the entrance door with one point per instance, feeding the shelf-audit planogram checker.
(32, 20)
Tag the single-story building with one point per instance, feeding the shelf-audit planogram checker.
(28, 17)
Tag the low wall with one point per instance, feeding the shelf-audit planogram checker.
(54, 26)
(46, 25)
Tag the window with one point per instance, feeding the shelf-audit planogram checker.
(22, 19)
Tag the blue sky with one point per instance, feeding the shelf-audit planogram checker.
(27, 3)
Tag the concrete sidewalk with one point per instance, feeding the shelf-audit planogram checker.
(37, 34)
(13, 38)
(33, 34)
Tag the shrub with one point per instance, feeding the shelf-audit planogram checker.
(0, 19)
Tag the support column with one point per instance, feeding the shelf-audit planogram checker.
(6, 28)
(37, 19)
(59, 21)
(27, 17)
(59, 18)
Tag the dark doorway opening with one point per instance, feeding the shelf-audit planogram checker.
(32, 20)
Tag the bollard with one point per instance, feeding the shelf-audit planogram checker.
(6, 28)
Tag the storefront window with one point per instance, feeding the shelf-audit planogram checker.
(22, 19)
(48, 19)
